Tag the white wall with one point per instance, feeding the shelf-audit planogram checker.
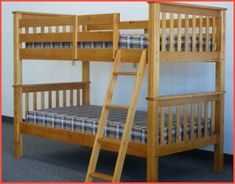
(174, 78)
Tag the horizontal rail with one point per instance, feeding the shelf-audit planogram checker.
(95, 36)
(95, 19)
(186, 98)
(188, 9)
(51, 54)
(46, 21)
(51, 86)
(47, 37)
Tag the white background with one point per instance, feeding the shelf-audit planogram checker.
(174, 78)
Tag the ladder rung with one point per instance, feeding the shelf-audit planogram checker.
(117, 107)
(124, 73)
(108, 140)
(101, 176)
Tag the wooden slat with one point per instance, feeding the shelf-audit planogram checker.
(46, 37)
(50, 99)
(75, 36)
(64, 98)
(42, 29)
(46, 22)
(200, 33)
(162, 121)
(57, 99)
(64, 29)
(179, 34)
(116, 20)
(194, 34)
(199, 133)
(185, 122)
(214, 34)
(186, 32)
(35, 101)
(57, 29)
(171, 32)
(95, 19)
(169, 125)
(26, 102)
(206, 119)
(213, 117)
(71, 98)
(207, 34)
(49, 29)
(172, 100)
(193, 10)
(95, 36)
(189, 56)
(125, 73)
(43, 53)
(117, 107)
(192, 122)
(78, 97)
(52, 86)
(163, 32)
(177, 123)
(42, 100)
(101, 176)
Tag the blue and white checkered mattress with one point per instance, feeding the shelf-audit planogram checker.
(84, 119)
(129, 41)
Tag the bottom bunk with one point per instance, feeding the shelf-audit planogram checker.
(85, 119)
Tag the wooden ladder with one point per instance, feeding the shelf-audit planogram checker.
(123, 143)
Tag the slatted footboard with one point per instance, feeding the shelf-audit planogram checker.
(188, 120)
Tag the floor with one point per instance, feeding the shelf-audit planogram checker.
(47, 160)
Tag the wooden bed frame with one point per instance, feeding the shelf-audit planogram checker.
(208, 21)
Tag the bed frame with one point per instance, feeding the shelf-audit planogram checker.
(183, 18)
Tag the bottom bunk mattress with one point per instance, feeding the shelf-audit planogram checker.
(85, 119)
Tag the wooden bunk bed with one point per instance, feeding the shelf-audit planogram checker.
(173, 33)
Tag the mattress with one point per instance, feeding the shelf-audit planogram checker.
(84, 119)
(129, 41)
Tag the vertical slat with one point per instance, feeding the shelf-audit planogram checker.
(57, 29)
(177, 123)
(186, 32)
(64, 29)
(34, 29)
(164, 32)
(207, 34)
(75, 36)
(42, 100)
(78, 97)
(26, 102)
(162, 120)
(171, 32)
(49, 29)
(35, 101)
(213, 34)
(179, 33)
(71, 98)
(199, 120)
(192, 122)
(200, 33)
(185, 121)
(50, 99)
(57, 99)
(26, 30)
(169, 125)
(64, 98)
(206, 119)
(212, 117)
(194, 33)
(42, 29)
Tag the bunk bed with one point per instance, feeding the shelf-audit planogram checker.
(173, 33)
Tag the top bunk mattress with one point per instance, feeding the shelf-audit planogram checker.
(85, 119)
(128, 41)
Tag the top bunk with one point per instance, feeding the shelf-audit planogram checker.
(185, 33)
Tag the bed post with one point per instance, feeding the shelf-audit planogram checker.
(86, 78)
(18, 147)
(219, 115)
(153, 90)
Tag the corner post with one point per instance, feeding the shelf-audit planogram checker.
(153, 90)
(18, 141)
(219, 115)
(86, 78)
